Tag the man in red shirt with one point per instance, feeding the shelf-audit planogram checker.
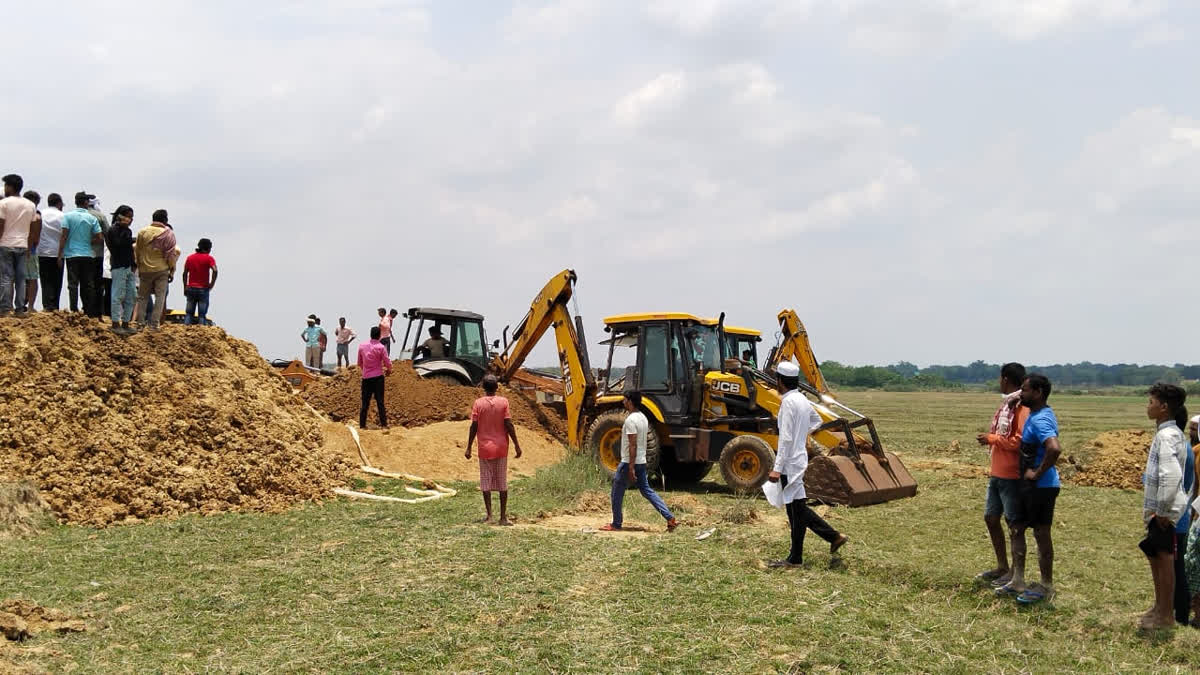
(197, 283)
(1003, 440)
(492, 423)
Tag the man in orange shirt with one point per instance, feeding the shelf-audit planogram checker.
(492, 423)
(1003, 495)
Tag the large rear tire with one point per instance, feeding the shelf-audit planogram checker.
(745, 463)
(446, 378)
(603, 442)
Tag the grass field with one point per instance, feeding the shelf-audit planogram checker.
(358, 587)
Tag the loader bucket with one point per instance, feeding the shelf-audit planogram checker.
(858, 476)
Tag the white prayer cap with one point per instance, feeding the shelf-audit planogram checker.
(1195, 421)
(788, 369)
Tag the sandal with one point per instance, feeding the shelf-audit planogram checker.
(1034, 595)
(609, 528)
(1007, 591)
(988, 576)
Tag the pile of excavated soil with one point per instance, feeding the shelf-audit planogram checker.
(1114, 459)
(436, 451)
(113, 428)
(21, 619)
(412, 401)
(22, 510)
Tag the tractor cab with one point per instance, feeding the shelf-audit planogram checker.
(741, 343)
(446, 344)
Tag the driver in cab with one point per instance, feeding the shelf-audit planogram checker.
(436, 347)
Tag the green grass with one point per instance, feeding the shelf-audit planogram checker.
(367, 587)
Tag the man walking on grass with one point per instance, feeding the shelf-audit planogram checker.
(797, 419)
(373, 365)
(1039, 491)
(632, 468)
(1003, 440)
(492, 424)
(344, 335)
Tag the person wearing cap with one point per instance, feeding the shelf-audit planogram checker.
(197, 282)
(119, 240)
(373, 365)
(103, 285)
(436, 347)
(154, 253)
(344, 336)
(80, 231)
(797, 419)
(17, 231)
(311, 335)
(50, 270)
(491, 423)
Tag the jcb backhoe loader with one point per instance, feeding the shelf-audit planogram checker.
(704, 406)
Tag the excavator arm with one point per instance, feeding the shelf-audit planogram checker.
(794, 344)
(549, 310)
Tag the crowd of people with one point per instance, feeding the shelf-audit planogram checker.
(1023, 487)
(110, 270)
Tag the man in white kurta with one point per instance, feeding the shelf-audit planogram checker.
(797, 419)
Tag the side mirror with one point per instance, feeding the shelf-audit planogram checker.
(495, 344)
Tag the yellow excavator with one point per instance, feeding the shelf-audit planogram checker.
(705, 405)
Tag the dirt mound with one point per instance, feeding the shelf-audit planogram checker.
(114, 428)
(436, 451)
(22, 510)
(21, 619)
(1114, 459)
(413, 401)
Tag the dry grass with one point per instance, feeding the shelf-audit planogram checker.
(23, 512)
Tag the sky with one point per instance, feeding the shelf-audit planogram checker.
(935, 181)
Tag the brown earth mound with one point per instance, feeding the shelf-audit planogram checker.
(436, 451)
(114, 428)
(1114, 459)
(412, 401)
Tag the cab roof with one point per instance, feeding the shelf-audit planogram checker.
(736, 330)
(436, 312)
(651, 316)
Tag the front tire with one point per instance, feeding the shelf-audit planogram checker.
(603, 442)
(745, 463)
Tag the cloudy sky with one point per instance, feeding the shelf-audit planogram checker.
(930, 180)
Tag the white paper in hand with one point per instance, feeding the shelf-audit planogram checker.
(774, 493)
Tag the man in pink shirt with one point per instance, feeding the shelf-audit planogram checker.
(492, 424)
(385, 330)
(374, 364)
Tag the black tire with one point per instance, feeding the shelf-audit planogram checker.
(686, 473)
(446, 378)
(745, 463)
(603, 442)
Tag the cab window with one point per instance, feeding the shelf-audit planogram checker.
(656, 368)
(468, 340)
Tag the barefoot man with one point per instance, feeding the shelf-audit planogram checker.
(492, 423)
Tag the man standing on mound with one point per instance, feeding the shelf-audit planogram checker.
(492, 423)
(632, 468)
(797, 419)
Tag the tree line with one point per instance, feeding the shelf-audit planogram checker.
(905, 376)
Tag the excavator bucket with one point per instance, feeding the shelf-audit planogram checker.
(859, 473)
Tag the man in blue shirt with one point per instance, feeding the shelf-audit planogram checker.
(1039, 491)
(311, 336)
(80, 230)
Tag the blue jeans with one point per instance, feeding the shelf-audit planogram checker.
(621, 483)
(197, 301)
(124, 294)
(12, 278)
